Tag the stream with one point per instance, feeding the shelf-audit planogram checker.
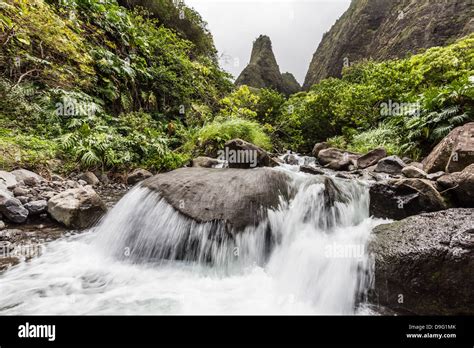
(146, 258)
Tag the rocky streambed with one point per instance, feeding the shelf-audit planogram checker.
(279, 227)
(35, 210)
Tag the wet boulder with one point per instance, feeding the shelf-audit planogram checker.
(291, 159)
(238, 197)
(77, 208)
(460, 186)
(398, 199)
(424, 264)
(390, 165)
(454, 153)
(311, 170)
(371, 158)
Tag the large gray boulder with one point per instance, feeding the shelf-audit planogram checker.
(240, 198)
(454, 153)
(77, 208)
(28, 177)
(424, 264)
(398, 199)
(12, 208)
(236, 196)
(460, 186)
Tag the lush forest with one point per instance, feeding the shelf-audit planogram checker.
(91, 84)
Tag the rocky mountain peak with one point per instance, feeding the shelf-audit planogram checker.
(263, 70)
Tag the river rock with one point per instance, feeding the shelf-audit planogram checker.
(12, 209)
(311, 170)
(77, 208)
(461, 184)
(371, 158)
(7, 180)
(37, 207)
(429, 260)
(390, 165)
(318, 147)
(454, 153)
(204, 162)
(138, 175)
(291, 159)
(2, 225)
(31, 178)
(90, 178)
(332, 154)
(20, 191)
(23, 199)
(239, 197)
(244, 155)
(343, 164)
(103, 178)
(398, 199)
(413, 172)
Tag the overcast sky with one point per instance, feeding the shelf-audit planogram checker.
(294, 26)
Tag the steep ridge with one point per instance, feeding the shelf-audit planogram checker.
(387, 29)
(263, 70)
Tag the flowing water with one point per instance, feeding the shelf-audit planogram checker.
(307, 257)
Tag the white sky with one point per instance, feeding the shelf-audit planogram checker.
(295, 27)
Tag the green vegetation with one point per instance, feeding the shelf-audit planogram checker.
(212, 137)
(429, 94)
(103, 82)
(93, 84)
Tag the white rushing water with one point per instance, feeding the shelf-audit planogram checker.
(145, 258)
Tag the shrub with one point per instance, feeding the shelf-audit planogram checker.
(212, 137)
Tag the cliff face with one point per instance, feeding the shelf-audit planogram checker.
(387, 29)
(290, 84)
(263, 71)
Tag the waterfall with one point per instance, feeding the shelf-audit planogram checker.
(307, 256)
(313, 249)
